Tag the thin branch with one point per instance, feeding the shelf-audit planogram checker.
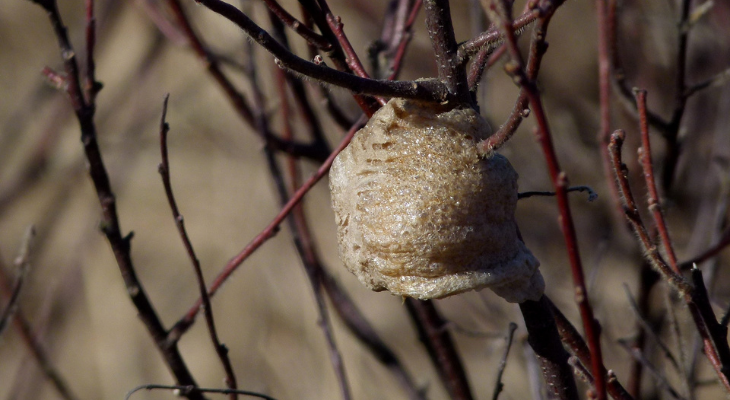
(310, 267)
(641, 319)
(164, 169)
(717, 80)
(493, 37)
(441, 31)
(30, 339)
(520, 110)
(571, 338)
(189, 390)
(316, 151)
(22, 265)
(648, 168)
(560, 182)
(714, 335)
(109, 218)
(440, 347)
(498, 386)
(592, 195)
(346, 309)
(301, 29)
(709, 253)
(545, 341)
(605, 13)
(632, 215)
(267, 233)
(659, 377)
(420, 90)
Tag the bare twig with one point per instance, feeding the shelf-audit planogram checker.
(301, 29)
(571, 338)
(316, 151)
(492, 37)
(545, 341)
(440, 347)
(560, 182)
(520, 110)
(709, 253)
(441, 31)
(22, 264)
(31, 339)
(311, 267)
(717, 80)
(164, 169)
(659, 377)
(714, 335)
(592, 195)
(606, 30)
(420, 90)
(650, 330)
(188, 390)
(267, 233)
(498, 386)
(84, 110)
(648, 168)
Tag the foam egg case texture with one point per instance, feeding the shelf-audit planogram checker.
(422, 214)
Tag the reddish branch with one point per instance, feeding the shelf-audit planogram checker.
(605, 13)
(647, 167)
(164, 169)
(560, 182)
(84, 109)
(537, 49)
(714, 334)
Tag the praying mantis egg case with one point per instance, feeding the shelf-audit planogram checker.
(422, 214)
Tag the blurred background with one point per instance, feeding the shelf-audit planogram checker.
(75, 302)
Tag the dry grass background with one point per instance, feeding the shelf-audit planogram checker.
(76, 301)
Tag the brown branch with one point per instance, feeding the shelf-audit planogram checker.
(164, 170)
(450, 71)
(301, 29)
(120, 245)
(545, 341)
(503, 12)
(440, 346)
(419, 90)
(316, 151)
(571, 338)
